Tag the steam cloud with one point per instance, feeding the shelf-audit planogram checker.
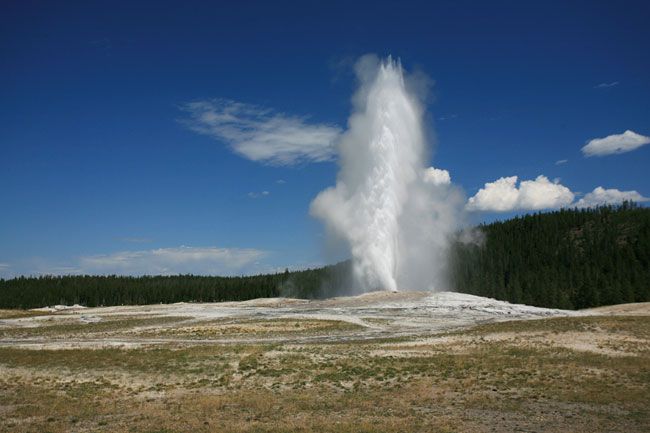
(395, 215)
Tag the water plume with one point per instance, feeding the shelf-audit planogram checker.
(395, 215)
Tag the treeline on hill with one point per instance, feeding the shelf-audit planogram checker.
(96, 290)
(574, 258)
(92, 291)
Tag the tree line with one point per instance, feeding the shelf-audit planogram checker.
(571, 258)
(95, 290)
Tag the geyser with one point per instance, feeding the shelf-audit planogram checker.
(395, 216)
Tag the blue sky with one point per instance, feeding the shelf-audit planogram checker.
(108, 166)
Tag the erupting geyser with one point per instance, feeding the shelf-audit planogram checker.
(395, 215)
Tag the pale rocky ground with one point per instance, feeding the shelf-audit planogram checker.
(376, 315)
(379, 362)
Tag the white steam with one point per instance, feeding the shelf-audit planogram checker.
(395, 215)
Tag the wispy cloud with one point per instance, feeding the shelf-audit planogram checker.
(561, 161)
(258, 194)
(503, 195)
(606, 85)
(5, 270)
(280, 181)
(447, 117)
(600, 196)
(261, 134)
(103, 44)
(158, 261)
(616, 143)
(37, 266)
(61, 270)
(167, 261)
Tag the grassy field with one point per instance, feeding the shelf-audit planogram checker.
(580, 374)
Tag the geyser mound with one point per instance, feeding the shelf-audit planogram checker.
(395, 216)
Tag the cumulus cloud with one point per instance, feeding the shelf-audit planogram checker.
(601, 196)
(503, 195)
(436, 176)
(261, 134)
(617, 143)
(169, 261)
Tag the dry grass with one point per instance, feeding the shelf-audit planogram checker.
(469, 381)
(66, 326)
(256, 328)
(17, 314)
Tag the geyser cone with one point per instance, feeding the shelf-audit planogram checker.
(380, 179)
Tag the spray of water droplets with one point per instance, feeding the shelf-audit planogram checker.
(395, 215)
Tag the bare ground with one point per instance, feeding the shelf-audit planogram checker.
(381, 362)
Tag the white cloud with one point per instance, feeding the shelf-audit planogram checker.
(167, 261)
(606, 85)
(6, 271)
(561, 161)
(436, 176)
(617, 143)
(503, 195)
(600, 196)
(500, 195)
(258, 194)
(261, 134)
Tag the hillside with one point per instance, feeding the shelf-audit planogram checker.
(565, 259)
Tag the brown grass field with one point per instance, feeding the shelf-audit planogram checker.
(137, 371)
